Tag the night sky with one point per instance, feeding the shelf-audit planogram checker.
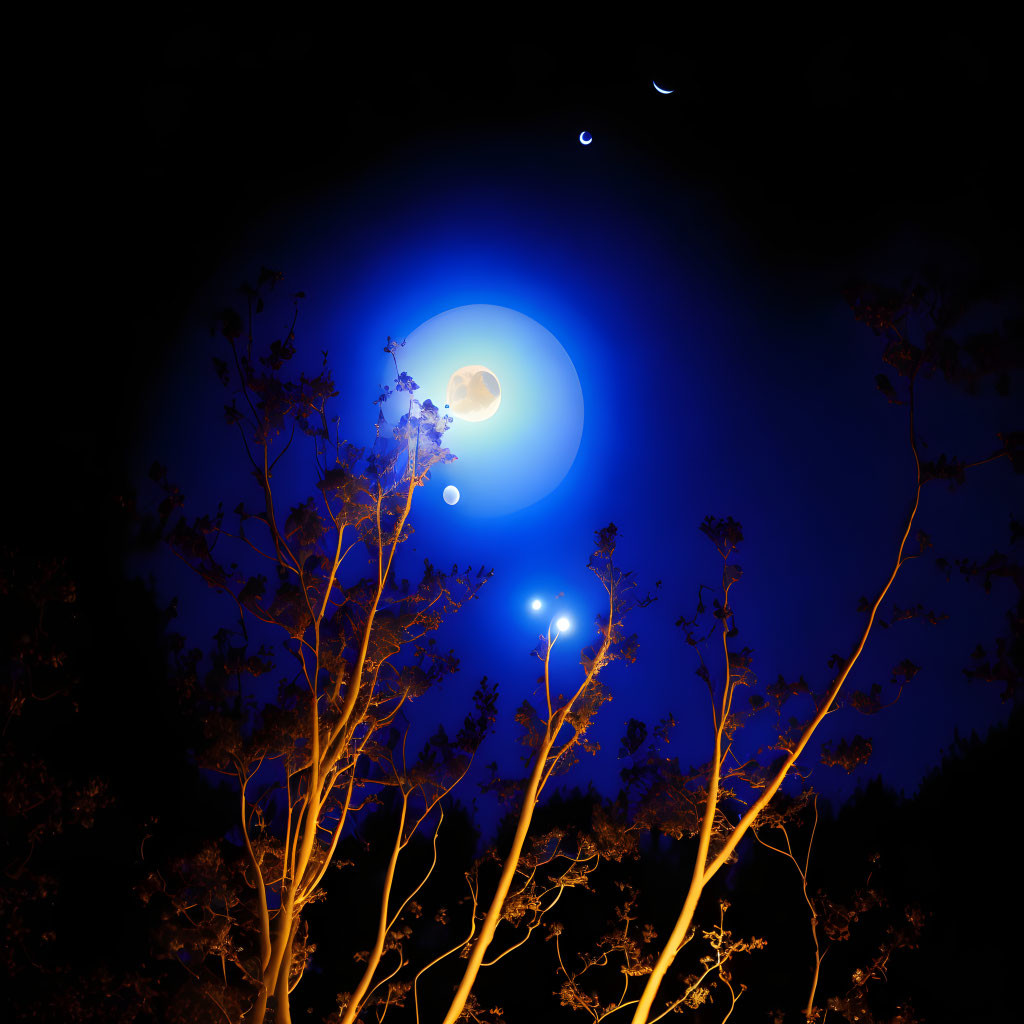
(690, 261)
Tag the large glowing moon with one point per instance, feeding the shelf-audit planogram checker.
(474, 394)
(451, 495)
(511, 455)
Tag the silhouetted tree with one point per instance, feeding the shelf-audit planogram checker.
(550, 753)
(919, 333)
(334, 735)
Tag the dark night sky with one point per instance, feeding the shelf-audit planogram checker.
(690, 261)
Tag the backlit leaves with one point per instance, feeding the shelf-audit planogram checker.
(636, 733)
(781, 690)
(725, 533)
(847, 754)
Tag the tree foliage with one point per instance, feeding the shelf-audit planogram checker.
(336, 863)
(357, 640)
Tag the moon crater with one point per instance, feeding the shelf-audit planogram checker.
(474, 393)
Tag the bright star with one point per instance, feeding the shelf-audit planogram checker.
(563, 624)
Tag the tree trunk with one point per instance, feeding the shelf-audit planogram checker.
(373, 960)
(282, 999)
(508, 872)
(682, 927)
(259, 1009)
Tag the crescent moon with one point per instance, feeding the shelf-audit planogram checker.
(664, 92)
(588, 140)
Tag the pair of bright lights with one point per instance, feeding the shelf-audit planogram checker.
(562, 624)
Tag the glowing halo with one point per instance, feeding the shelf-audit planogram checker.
(520, 454)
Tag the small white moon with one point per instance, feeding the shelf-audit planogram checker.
(664, 92)
(536, 603)
(586, 138)
(474, 393)
(563, 624)
(451, 494)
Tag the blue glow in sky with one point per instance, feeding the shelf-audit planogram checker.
(713, 381)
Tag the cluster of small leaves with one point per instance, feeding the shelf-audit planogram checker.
(664, 796)
(838, 918)
(884, 308)
(950, 468)
(996, 566)
(870, 702)
(621, 587)
(624, 950)
(855, 1006)
(962, 356)
(476, 1012)
(781, 690)
(657, 792)
(505, 789)
(1001, 664)
(207, 926)
(726, 534)
(530, 900)
(847, 754)
(898, 614)
(611, 831)
(786, 809)
(715, 966)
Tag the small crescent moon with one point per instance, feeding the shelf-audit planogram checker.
(664, 92)
(586, 138)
